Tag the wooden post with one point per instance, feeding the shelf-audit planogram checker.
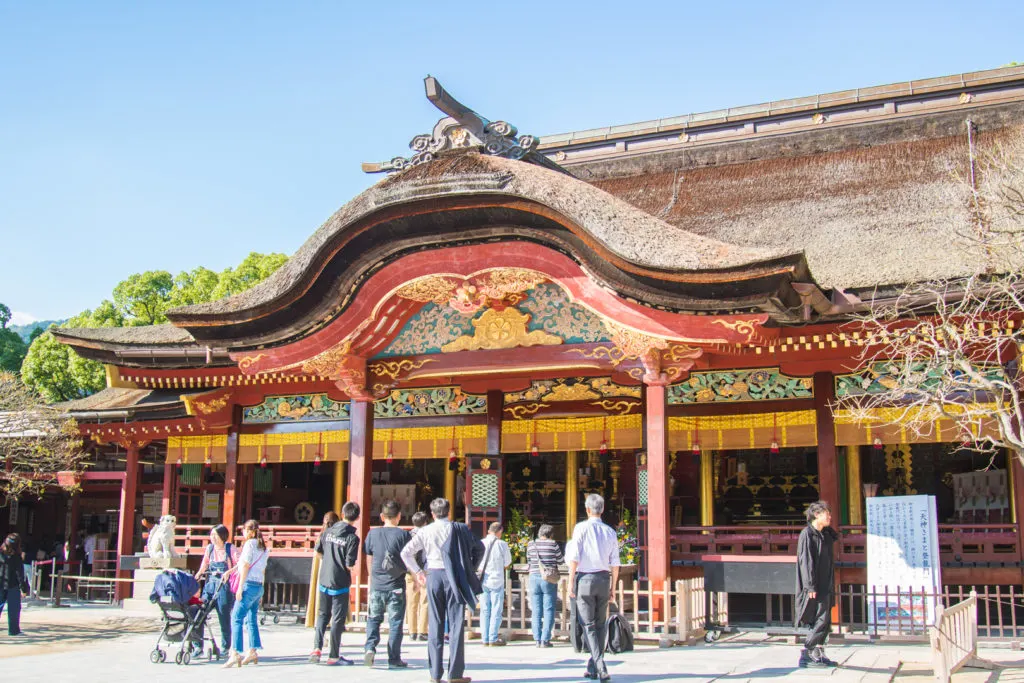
(707, 488)
(853, 485)
(1016, 480)
(658, 565)
(167, 500)
(230, 507)
(495, 411)
(572, 495)
(828, 460)
(339, 485)
(126, 521)
(449, 487)
(360, 474)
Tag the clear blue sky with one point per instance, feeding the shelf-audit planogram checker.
(146, 135)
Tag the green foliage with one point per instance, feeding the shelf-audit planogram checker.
(57, 373)
(12, 346)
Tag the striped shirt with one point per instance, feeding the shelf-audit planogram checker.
(543, 551)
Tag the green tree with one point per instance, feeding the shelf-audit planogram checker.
(12, 346)
(144, 297)
(57, 373)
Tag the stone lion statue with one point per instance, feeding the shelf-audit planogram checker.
(161, 539)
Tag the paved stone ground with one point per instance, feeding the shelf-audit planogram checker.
(97, 644)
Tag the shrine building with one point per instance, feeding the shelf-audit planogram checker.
(657, 312)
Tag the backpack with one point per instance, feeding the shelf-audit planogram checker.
(620, 634)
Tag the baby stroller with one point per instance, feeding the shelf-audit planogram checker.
(184, 617)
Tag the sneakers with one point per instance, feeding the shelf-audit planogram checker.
(819, 654)
(368, 657)
(314, 657)
(546, 643)
(499, 642)
(398, 665)
(340, 661)
(809, 661)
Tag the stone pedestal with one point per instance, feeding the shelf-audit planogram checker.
(144, 576)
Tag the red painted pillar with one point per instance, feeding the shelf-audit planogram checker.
(656, 426)
(230, 511)
(360, 470)
(126, 523)
(828, 457)
(167, 500)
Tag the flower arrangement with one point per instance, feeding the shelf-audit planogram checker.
(629, 546)
(518, 533)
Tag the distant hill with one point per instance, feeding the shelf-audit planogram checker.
(25, 331)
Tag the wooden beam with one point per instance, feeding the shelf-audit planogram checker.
(656, 428)
(167, 497)
(828, 458)
(495, 410)
(360, 463)
(230, 512)
(126, 520)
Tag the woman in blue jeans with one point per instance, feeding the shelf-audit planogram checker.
(251, 568)
(547, 554)
(217, 560)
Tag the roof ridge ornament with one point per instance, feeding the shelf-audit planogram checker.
(463, 128)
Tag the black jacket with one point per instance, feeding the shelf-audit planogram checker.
(463, 553)
(12, 574)
(815, 570)
(339, 546)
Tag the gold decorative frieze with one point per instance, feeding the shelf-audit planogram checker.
(504, 329)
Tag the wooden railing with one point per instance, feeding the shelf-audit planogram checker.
(954, 637)
(284, 539)
(957, 542)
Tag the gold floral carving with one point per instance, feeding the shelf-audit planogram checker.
(633, 344)
(432, 289)
(485, 464)
(618, 407)
(328, 363)
(211, 406)
(392, 368)
(522, 411)
(505, 281)
(246, 361)
(573, 392)
(504, 329)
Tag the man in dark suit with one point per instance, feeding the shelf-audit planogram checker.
(452, 553)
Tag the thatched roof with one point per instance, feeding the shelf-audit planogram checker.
(147, 335)
(874, 204)
(121, 400)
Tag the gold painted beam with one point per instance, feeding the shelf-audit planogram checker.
(853, 485)
(707, 489)
(572, 472)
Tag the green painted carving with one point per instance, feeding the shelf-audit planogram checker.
(549, 308)
(485, 490)
(572, 389)
(298, 408)
(880, 377)
(432, 401)
(736, 386)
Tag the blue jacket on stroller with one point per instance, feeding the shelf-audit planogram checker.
(174, 585)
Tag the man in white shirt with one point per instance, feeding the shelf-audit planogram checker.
(593, 556)
(497, 557)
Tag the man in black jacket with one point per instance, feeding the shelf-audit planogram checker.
(814, 583)
(339, 546)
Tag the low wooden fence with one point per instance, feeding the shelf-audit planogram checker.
(674, 612)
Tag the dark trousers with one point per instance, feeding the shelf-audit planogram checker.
(392, 602)
(332, 609)
(822, 624)
(592, 591)
(13, 601)
(442, 604)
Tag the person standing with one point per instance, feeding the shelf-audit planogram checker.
(543, 557)
(415, 594)
(593, 553)
(12, 582)
(497, 558)
(251, 569)
(383, 546)
(452, 554)
(339, 546)
(217, 560)
(814, 583)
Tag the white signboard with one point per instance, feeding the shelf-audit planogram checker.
(152, 504)
(211, 505)
(903, 559)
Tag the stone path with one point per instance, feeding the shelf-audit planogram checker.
(92, 644)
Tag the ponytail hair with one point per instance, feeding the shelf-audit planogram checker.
(251, 530)
(330, 519)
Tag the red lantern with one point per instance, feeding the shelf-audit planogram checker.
(178, 463)
(696, 436)
(453, 454)
(774, 448)
(603, 448)
(877, 444)
(534, 450)
(316, 458)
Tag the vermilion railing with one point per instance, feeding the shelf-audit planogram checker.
(283, 539)
(957, 542)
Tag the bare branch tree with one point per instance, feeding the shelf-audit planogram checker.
(36, 442)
